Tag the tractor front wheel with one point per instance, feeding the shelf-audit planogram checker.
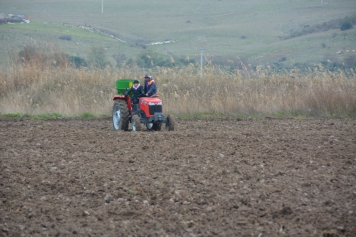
(170, 123)
(157, 126)
(149, 126)
(120, 115)
(153, 126)
(135, 123)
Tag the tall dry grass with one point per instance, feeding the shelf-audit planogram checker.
(317, 93)
(35, 88)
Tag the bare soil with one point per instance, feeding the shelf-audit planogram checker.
(269, 177)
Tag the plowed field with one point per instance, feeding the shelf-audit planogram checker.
(269, 177)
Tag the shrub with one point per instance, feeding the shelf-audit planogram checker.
(97, 57)
(282, 59)
(350, 61)
(151, 58)
(325, 26)
(77, 61)
(66, 37)
(120, 59)
(346, 26)
(130, 63)
(42, 57)
(142, 43)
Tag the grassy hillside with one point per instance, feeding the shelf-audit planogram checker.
(46, 34)
(249, 29)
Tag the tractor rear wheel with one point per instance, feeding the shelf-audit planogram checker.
(135, 123)
(170, 124)
(120, 115)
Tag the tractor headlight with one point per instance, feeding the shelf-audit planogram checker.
(152, 103)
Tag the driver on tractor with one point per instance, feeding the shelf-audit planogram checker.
(150, 86)
(137, 91)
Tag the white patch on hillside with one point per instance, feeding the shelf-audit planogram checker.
(161, 42)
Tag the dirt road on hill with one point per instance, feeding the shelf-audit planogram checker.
(270, 177)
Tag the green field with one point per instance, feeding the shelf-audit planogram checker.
(215, 25)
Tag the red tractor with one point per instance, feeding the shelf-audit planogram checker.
(148, 111)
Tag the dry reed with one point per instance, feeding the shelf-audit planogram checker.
(34, 88)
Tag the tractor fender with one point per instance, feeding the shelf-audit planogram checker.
(127, 99)
(119, 97)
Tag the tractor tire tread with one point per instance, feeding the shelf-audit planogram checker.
(171, 123)
(124, 115)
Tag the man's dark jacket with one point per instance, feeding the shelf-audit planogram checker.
(137, 93)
